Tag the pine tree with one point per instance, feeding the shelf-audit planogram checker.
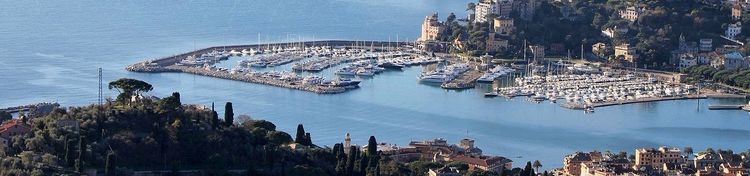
(300, 137)
(228, 114)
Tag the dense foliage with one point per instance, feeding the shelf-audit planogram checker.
(167, 137)
(655, 33)
(733, 77)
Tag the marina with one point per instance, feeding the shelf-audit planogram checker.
(391, 105)
(588, 91)
(201, 62)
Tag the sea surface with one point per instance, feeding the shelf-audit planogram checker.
(50, 51)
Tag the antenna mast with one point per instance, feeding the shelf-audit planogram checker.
(100, 86)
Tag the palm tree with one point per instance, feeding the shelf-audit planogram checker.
(537, 165)
(688, 151)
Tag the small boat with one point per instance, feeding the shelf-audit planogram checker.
(365, 72)
(391, 65)
(588, 109)
(490, 94)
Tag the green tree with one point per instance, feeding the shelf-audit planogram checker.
(300, 137)
(228, 114)
(278, 138)
(5, 116)
(109, 166)
(537, 165)
(688, 151)
(372, 146)
(129, 88)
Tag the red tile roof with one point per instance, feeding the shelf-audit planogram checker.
(10, 123)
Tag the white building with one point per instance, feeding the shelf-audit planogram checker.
(733, 30)
(687, 60)
(483, 10)
(631, 13)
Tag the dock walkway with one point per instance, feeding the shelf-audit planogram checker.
(579, 105)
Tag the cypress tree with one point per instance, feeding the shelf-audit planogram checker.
(68, 153)
(372, 146)
(110, 164)
(176, 95)
(228, 114)
(308, 140)
(350, 160)
(528, 170)
(79, 161)
(300, 137)
(363, 165)
(214, 120)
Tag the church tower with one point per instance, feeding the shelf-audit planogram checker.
(347, 143)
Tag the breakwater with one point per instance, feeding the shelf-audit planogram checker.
(170, 64)
(374, 45)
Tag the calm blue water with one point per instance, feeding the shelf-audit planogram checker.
(50, 51)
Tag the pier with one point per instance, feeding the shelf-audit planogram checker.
(580, 105)
(725, 107)
(316, 85)
(32, 109)
(465, 81)
(171, 60)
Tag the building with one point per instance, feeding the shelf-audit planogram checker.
(526, 8)
(732, 164)
(687, 60)
(731, 60)
(503, 25)
(615, 31)
(347, 143)
(13, 127)
(733, 30)
(606, 167)
(71, 124)
(737, 11)
(656, 158)
(429, 148)
(432, 29)
(626, 53)
(631, 13)
(505, 7)
(572, 162)
(483, 10)
(537, 51)
(445, 171)
(601, 49)
(707, 161)
(486, 163)
(706, 44)
(496, 43)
